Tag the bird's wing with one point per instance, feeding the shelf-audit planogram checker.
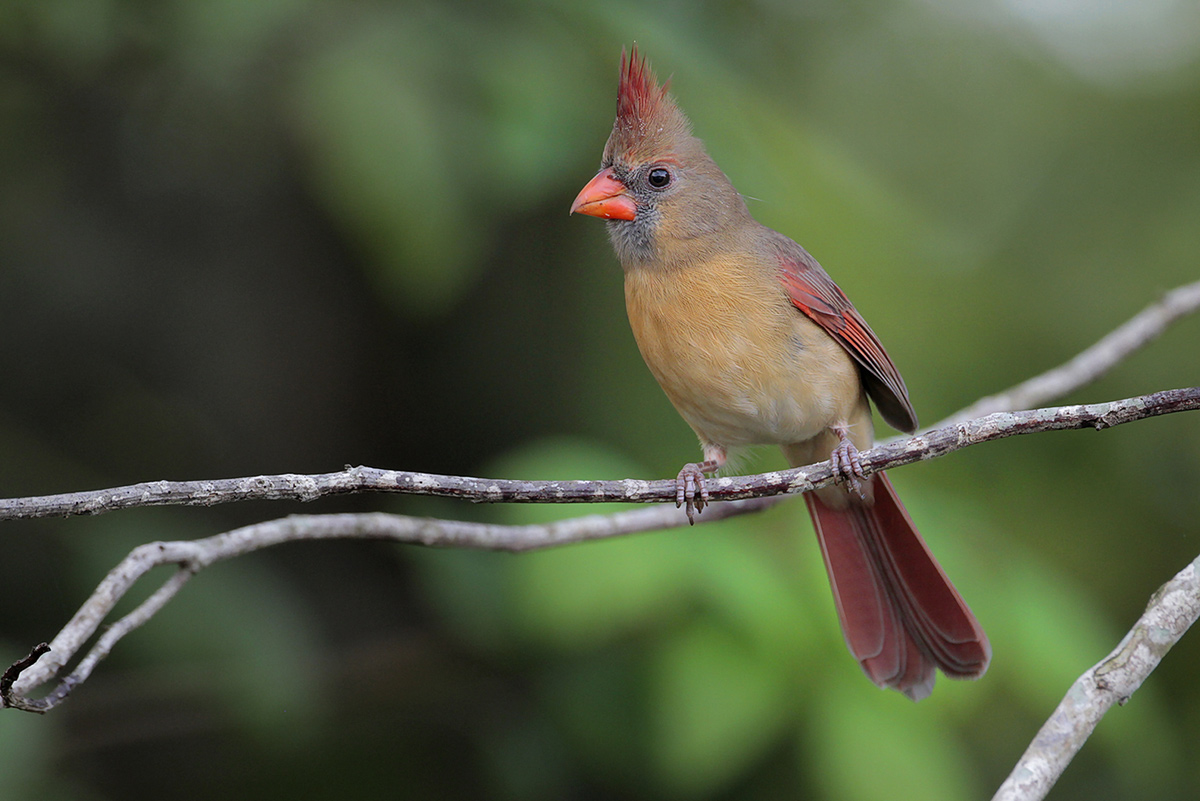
(813, 292)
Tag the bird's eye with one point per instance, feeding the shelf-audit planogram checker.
(658, 178)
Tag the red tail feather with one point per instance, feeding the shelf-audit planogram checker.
(901, 616)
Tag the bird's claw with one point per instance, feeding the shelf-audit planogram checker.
(690, 491)
(847, 467)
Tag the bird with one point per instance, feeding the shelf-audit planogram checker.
(754, 344)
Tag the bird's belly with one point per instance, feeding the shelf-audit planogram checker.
(768, 378)
(737, 399)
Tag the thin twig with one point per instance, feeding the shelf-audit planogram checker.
(1172, 610)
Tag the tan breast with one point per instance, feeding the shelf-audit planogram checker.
(738, 361)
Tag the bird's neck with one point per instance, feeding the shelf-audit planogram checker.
(647, 244)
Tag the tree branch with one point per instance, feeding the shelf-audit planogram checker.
(1172, 610)
(1094, 362)
(895, 453)
(1087, 366)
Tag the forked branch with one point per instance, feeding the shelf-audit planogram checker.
(1174, 608)
(753, 492)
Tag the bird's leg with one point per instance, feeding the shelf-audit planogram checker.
(847, 466)
(689, 484)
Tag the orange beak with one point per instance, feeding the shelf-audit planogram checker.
(606, 197)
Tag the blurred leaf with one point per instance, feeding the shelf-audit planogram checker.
(224, 37)
(582, 596)
(25, 748)
(868, 744)
(716, 705)
(531, 110)
(379, 144)
(753, 574)
(598, 704)
(79, 33)
(470, 592)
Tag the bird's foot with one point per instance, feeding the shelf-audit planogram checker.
(690, 491)
(847, 465)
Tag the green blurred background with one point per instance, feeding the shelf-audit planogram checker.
(264, 237)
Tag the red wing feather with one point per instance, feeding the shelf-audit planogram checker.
(813, 292)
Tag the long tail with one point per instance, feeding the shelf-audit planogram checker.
(901, 616)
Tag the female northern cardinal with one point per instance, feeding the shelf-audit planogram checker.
(755, 344)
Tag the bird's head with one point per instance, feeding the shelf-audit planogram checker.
(657, 187)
